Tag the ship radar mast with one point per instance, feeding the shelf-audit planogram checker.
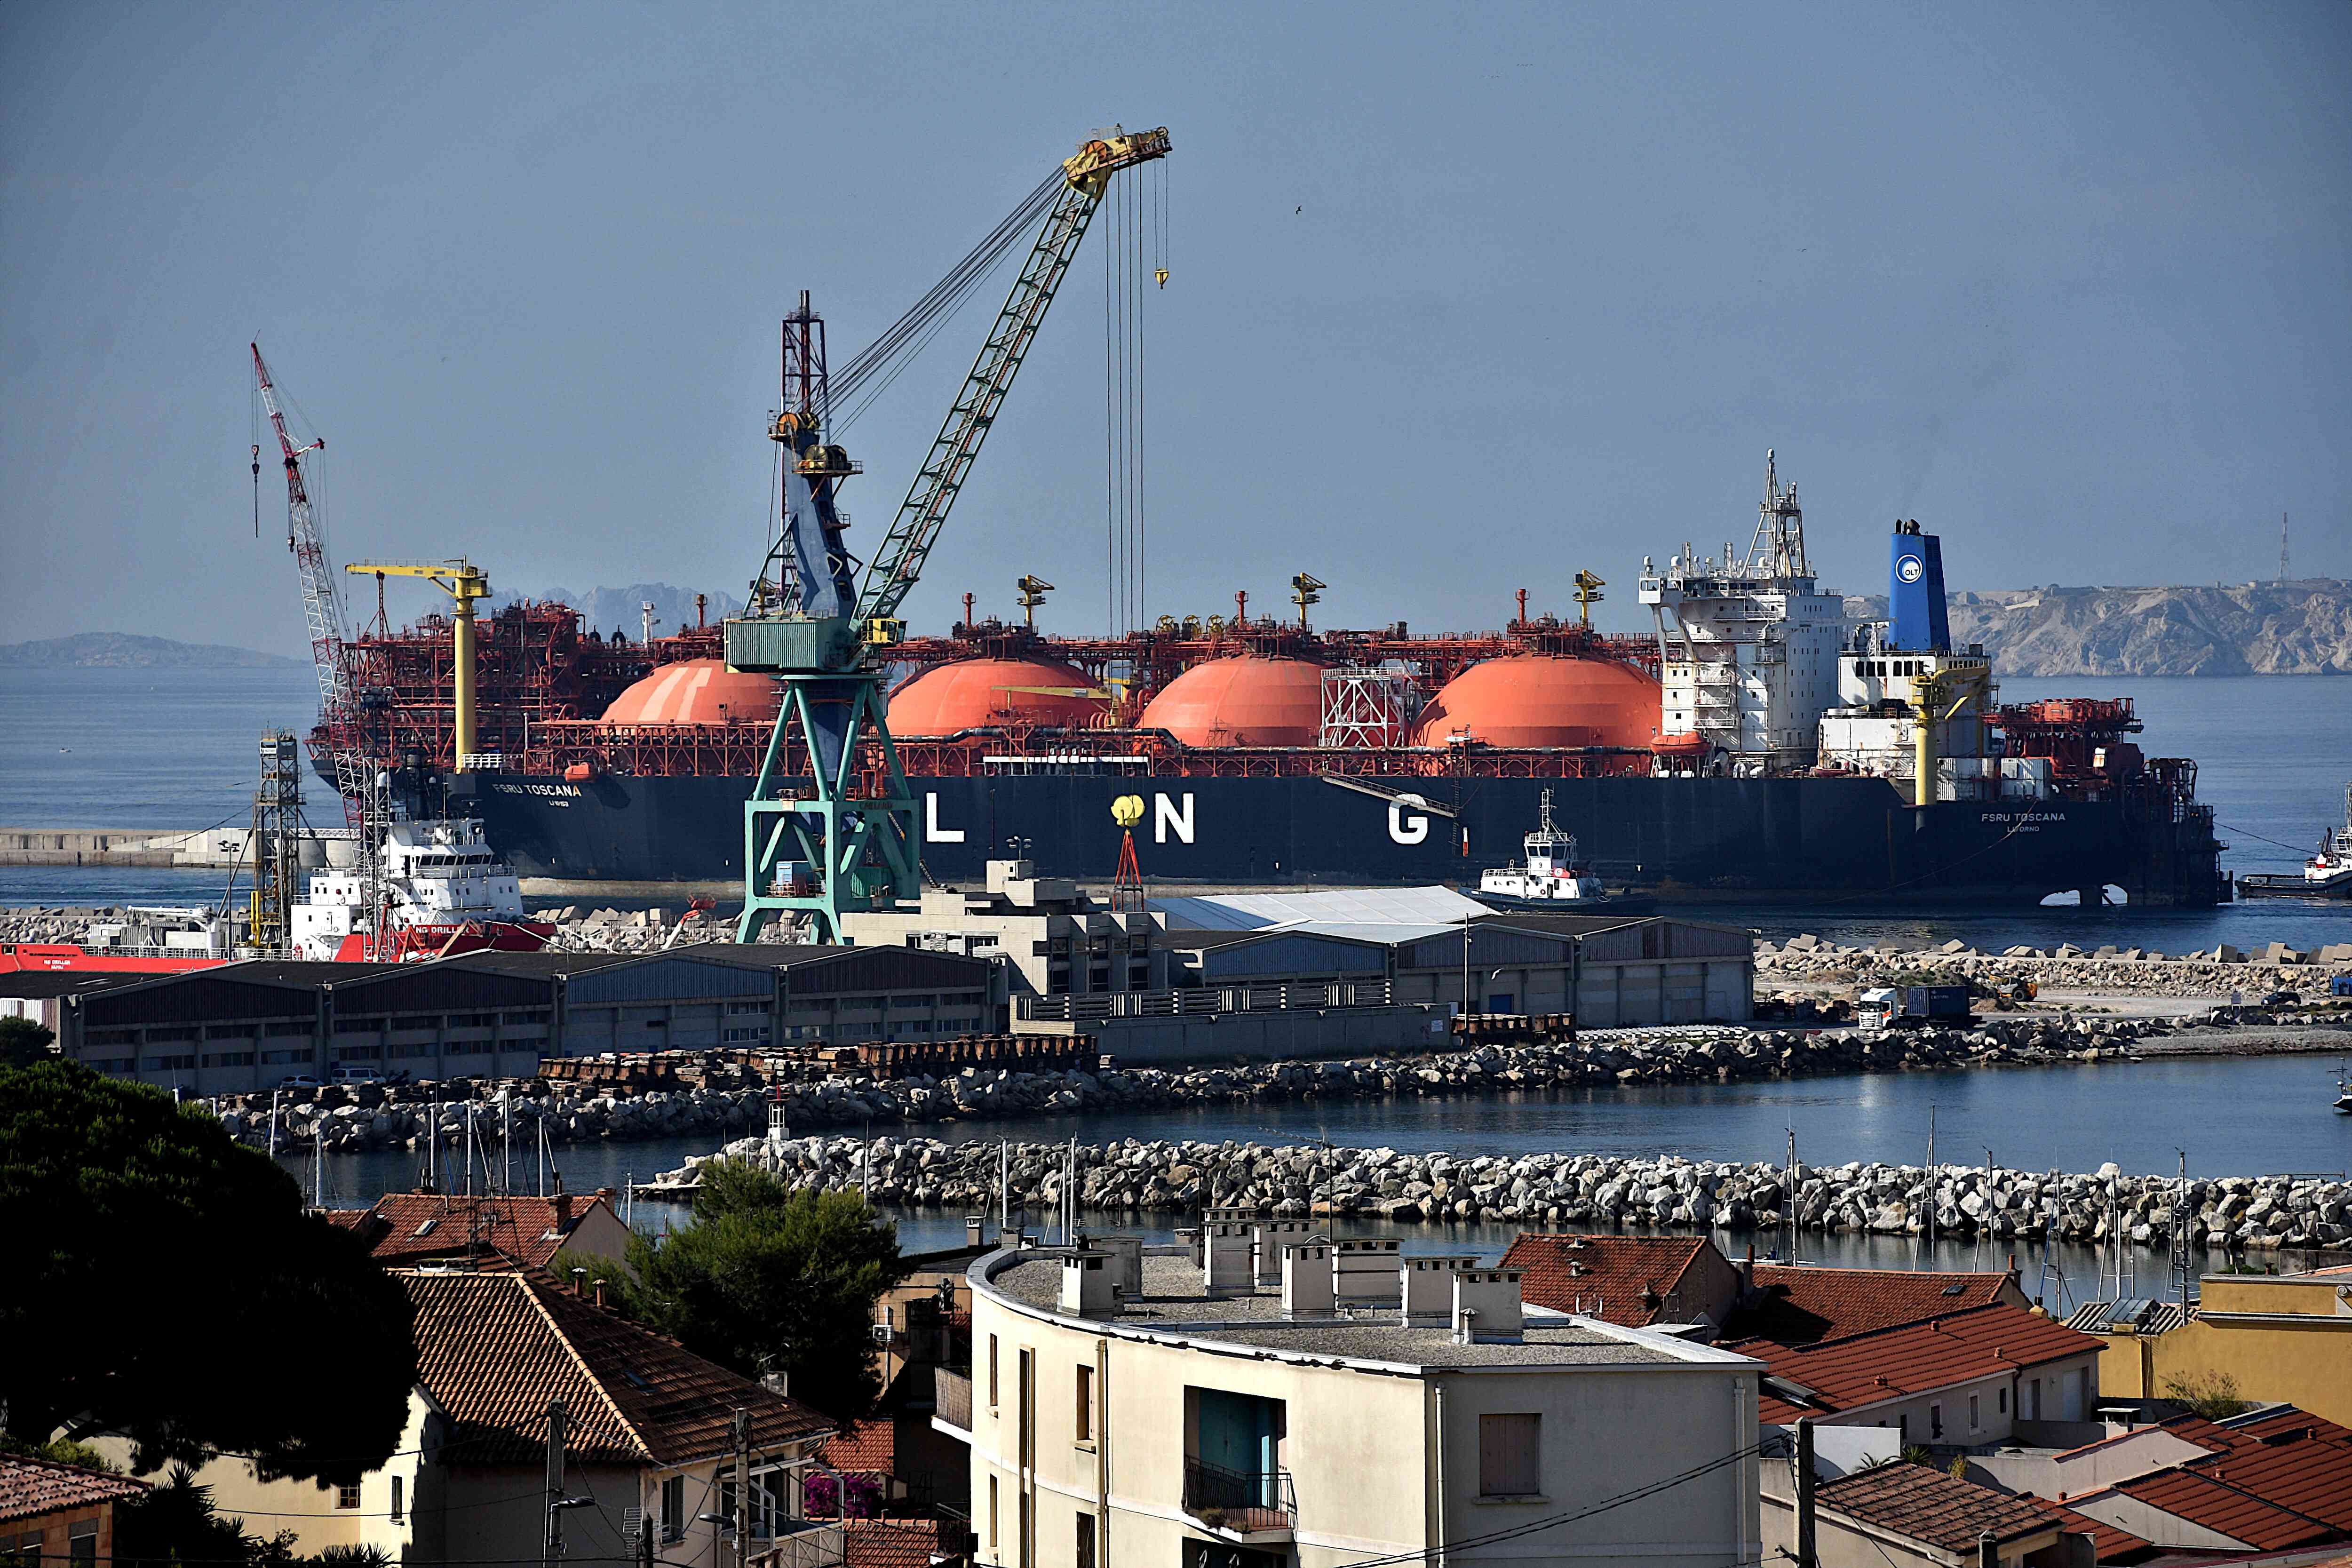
(1779, 548)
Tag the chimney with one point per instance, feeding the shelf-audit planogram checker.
(1227, 1270)
(975, 1229)
(1307, 1279)
(1272, 1235)
(1486, 1308)
(1126, 1254)
(578, 1274)
(1365, 1270)
(1087, 1281)
(599, 1290)
(1426, 1285)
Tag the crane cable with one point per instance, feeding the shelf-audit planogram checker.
(905, 339)
(1135, 238)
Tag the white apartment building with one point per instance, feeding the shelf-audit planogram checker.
(1267, 1397)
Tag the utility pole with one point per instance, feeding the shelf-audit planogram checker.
(742, 1488)
(551, 1543)
(1806, 1555)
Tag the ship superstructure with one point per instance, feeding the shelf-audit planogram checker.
(1751, 662)
(440, 889)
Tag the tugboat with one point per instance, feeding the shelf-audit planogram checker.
(2326, 875)
(1549, 877)
(444, 891)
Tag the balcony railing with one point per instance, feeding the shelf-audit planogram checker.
(951, 1399)
(1243, 1501)
(804, 1543)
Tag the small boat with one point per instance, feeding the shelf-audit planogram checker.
(2343, 1092)
(1549, 877)
(2326, 875)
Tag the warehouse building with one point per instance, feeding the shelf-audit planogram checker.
(249, 1025)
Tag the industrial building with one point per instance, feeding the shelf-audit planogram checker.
(245, 1026)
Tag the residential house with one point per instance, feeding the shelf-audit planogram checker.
(1914, 1516)
(1154, 1404)
(1646, 1279)
(2273, 1336)
(2272, 1480)
(649, 1433)
(409, 1229)
(51, 1512)
(1965, 1380)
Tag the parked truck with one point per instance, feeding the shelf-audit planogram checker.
(1911, 1006)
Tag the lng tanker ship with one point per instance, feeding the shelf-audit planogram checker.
(1754, 745)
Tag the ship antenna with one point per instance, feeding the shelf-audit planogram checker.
(1543, 806)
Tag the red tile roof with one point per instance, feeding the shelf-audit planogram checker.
(414, 1227)
(890, 1543)
(1926, 1505)
(865, 1448)
(2290, 1458)
(30, 1488)
(2218, 1506)
(1893, 1363)
(1804, 1304)
(493, 1346)
(1627, 1279)
(2109, 1542)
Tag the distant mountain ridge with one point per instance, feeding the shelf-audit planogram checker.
(126, 650)
(2250, 629)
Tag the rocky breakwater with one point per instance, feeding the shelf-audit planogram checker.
(1567, 1190)
(354, 1122)
(2214, 973)
(380, 1116)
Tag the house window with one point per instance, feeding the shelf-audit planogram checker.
(81, 1545)
(1973, 1421)
(2001, 1400)
(347, 1496)
(1510, 1456)
(991, 1513)
(399, 1486)
(1084, 1553)
(673, 1509)
(1085, 1427)
(1935, 1422)
(992, 1372)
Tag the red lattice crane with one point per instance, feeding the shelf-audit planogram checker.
(321, 609)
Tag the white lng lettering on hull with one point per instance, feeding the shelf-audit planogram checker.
(933, 832)
(1165, 816)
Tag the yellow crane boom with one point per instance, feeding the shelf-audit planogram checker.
(464, 582)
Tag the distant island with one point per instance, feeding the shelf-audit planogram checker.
(2242, 628)
(123, 650)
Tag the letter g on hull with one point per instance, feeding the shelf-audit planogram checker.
(1405, 828)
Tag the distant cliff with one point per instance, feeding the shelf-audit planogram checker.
(2263, 628)
(122, 650)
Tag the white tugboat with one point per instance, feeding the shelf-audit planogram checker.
(444, 891)
(2326, 875)
(1550, 876)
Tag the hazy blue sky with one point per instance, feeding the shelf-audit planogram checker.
(1464, 297)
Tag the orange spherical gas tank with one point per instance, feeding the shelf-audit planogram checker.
(696, 692)
(1537, 700)
(1247, 701)
(973, 693)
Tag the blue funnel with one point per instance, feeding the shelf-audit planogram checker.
(1915, 593)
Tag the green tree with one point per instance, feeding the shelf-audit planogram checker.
(2213, 1395)
(165, 1275)
(176, 1522)
(767, 1280)
(24, 1042)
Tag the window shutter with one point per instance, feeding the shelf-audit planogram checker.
(1510, 1456)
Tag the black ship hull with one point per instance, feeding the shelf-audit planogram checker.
(1854, 840)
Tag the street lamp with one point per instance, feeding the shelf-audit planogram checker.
(556, 1508)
